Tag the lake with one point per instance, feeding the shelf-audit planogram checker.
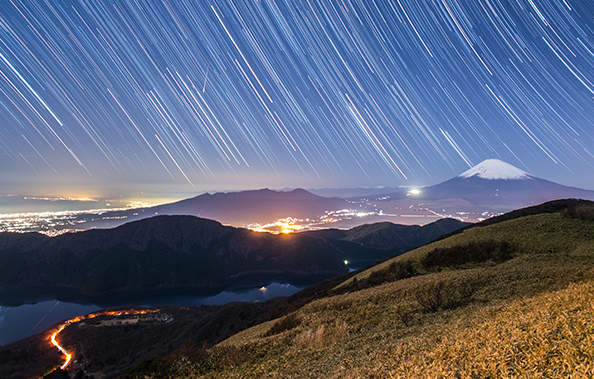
(29, 319)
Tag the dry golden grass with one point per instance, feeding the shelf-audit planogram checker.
(549, 336)
(501, 334)
(529, 317)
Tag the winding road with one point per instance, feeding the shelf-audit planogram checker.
(56, 332)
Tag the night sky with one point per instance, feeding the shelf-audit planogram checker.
(195, 95)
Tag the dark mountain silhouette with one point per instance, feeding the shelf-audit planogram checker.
(261, 206)
(383, 236)
(183, 254)
(163, 254)
(347, 193)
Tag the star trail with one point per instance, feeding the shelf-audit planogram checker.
(189, 96)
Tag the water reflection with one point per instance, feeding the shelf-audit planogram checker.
(25, 320)
(257, 294)
(29, 319)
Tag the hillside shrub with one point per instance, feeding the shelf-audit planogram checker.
(286, 323)
(473, 252)
(155, 367)
(445, 293)
(224, 357)
(583, 211)
(331, 306)
(396, 271)
(439, 259)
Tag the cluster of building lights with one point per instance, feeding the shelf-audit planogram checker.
(38, 221)
(346, 214)
(284, 225)
(291, 225)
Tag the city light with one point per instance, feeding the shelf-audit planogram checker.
(53, 223)
(283, 225)
(60, 198)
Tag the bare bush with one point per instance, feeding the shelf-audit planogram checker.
(395, 271)
(307, 339)
(319, 340)
(286, 323)
(445, 294)
(340, 333)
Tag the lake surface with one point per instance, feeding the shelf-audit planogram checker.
(29, 319)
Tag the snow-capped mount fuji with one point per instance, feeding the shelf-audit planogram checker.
(495, 169)
(491, 187)
(502, 187)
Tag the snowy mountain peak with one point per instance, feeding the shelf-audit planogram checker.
(496, 169)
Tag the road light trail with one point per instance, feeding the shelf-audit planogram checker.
(68, 355)
(56, 344)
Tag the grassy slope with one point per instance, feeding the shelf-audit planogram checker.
(529, 316)
(545, 233)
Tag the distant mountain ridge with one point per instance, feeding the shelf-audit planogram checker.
(179, 233)
(240, 209)
(491, 186)
(261, 206)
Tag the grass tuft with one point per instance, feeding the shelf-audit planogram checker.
(322, 337)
